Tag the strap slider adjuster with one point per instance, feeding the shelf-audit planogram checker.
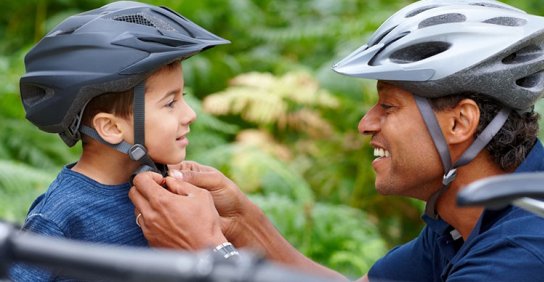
(136, 152)
(449, 177)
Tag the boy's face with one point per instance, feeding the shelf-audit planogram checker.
(167, 116)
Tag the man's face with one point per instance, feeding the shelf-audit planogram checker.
(406, 162)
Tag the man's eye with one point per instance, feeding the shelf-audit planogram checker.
(386, 106)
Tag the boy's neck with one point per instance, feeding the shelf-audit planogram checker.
(105, 165)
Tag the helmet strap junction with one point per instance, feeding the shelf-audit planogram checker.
(136, 152)
(450, 169)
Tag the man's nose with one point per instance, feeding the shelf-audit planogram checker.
(370, 122)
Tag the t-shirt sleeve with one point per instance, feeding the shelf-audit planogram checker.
(35, 223)
(409, 262)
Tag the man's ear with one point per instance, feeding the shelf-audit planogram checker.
(460, 123)
(109, 127)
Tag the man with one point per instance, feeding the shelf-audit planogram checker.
(457, 83)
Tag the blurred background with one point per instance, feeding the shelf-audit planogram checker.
(271, 115)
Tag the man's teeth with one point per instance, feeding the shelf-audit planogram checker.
(379, 152)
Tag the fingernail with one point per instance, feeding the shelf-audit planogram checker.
(177, 174)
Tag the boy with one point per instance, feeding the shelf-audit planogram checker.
(86, 79)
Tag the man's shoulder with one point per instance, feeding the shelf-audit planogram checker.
(512, 221)
(534, 162)
(509, 229)
(508, 248)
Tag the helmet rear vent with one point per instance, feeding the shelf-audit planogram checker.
(442, 19)
(32, 94)
(532, 80)
(506, 21)
(146, 20)
(525, 54)
(418, 52)
(420, 10)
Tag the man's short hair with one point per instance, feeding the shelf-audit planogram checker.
(510, 146)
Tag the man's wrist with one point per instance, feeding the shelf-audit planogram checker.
(226, 250)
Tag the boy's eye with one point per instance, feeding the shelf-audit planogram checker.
(171, 103)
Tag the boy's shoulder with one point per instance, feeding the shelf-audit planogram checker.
(72, 201)
(71, 193)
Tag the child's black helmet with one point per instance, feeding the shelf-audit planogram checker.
(109, 49)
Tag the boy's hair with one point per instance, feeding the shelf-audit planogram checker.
(511, 145)
(117, 103)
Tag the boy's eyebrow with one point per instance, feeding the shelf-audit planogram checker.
(170, 93)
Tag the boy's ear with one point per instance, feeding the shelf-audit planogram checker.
(461, 122)
(108, 127)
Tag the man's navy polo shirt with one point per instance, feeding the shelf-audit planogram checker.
(505, 245)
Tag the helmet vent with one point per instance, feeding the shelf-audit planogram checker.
(146, 20)
(32, 95)
(490, 5)
(382, 36)
(532, 80)
(443, 19)
(420, 10)
(419, 52)
(526, 54)
(506, 21)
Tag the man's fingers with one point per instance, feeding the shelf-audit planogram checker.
(141, 205)
(180, 187)
(209, 180)
(194, 166)
(147, 183)
(145, 190)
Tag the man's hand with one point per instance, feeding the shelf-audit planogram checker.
(185, 219)
(188, 219)
(231, 203)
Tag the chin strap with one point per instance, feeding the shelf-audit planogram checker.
(136, 152)
(450, 170)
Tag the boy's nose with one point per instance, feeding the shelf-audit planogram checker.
(188, 115)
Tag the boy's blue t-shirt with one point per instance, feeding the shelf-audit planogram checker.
(79, 208)
(505, 245)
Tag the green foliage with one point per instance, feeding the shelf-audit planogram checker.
(20, 184)
(331, 234)
(284, 129)
(539, 107)
(29, 158)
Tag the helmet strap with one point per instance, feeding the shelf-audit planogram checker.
(138, 152)
(450, 169)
